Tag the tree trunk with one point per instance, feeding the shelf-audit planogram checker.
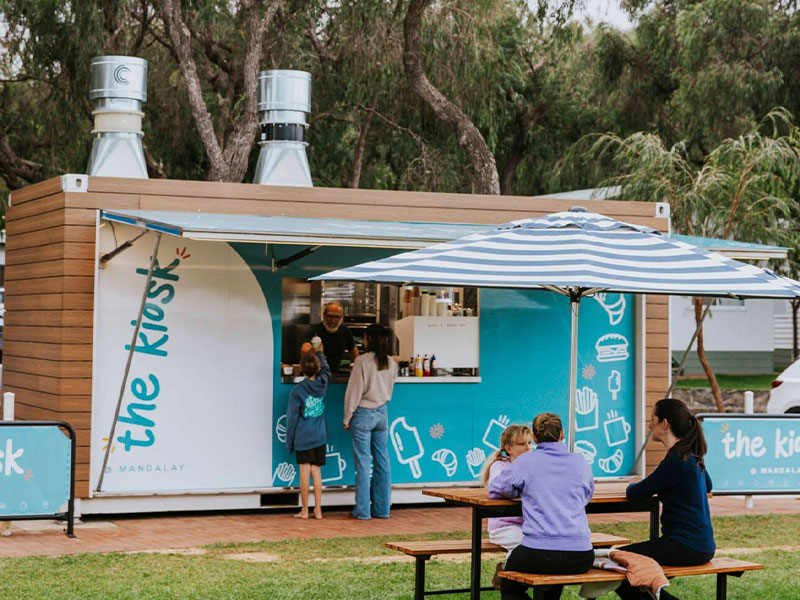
(358, 154)
(181, 42)
(228, 157)
(484, 167)
(701, 354)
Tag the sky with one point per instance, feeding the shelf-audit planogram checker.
(607, 11)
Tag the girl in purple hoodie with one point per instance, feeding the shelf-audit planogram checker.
(555, 486)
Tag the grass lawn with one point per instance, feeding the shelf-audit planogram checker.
(730, 382)
(339, 569)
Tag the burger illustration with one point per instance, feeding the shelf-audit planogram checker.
(611, 347)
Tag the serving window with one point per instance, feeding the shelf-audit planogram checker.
(427, 320)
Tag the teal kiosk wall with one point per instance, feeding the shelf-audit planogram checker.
(444, 431)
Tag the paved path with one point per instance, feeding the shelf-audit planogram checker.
(125, 534)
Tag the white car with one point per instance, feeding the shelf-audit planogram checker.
(785, 394)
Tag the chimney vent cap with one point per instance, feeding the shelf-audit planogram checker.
(119, 77)
(284, 90)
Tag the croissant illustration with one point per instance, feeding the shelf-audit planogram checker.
(612, 463)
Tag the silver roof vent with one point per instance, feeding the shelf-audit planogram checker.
(119, 88)
(284, 100)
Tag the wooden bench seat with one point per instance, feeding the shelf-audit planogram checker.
(424, 550)
(721, 567)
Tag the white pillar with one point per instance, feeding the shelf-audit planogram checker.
(8, 406)
(748, 410)
(8, 415)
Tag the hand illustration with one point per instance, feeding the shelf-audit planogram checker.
(475, 459)
(285, 473)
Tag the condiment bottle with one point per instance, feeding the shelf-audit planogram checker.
(417, 366)
(433, 365)
(426, 366)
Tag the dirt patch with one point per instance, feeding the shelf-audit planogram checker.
(254, 557)
(181, 551)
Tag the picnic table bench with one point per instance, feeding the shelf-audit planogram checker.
(722, 567)
(422, 551)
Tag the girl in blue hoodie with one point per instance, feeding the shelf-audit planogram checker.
(306, 433)
(555, 486)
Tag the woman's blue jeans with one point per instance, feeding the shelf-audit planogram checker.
(370, 429)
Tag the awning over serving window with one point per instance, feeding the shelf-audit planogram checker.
(293, 230)
(355, 232)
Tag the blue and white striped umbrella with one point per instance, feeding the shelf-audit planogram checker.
(576, 253)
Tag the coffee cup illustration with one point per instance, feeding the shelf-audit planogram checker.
(334, 467)
(617, 429)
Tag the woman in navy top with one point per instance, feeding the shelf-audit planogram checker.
(682, 485)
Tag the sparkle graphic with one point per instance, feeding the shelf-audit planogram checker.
(113, 448)
(588, 372)
(182, 253)
(436, 431)
(28, 475)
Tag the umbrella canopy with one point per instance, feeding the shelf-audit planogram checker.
(575, 253)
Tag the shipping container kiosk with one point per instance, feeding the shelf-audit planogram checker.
(200, 423)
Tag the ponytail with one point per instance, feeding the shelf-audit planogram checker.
(379, 339)
(686, 427)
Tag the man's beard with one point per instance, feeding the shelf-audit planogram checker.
(331, 329)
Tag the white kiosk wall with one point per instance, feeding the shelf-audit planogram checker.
(197, 408)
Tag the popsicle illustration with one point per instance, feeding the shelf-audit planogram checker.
(407, 445)
(614, 383)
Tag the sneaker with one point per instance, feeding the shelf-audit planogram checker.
(495, 579)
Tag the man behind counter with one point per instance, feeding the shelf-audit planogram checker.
(336, 338)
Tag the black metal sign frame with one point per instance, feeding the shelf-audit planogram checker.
(68, 516)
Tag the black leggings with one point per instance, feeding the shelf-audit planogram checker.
(667, 552)
(530, 560)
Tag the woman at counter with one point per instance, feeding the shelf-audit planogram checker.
(555, 486)
(369, 389)
(682, 485)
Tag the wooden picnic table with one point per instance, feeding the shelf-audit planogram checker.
(608, 497)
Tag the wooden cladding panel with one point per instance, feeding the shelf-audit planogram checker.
(227, 192)
(48, 368)
(48, 385)
(22, 302)
(52, 285)
(47, 351)
(37, 191)
(78, 420)
(54, 235)
(61, 402)
(48, 220)
(42, 205)
(50, 268)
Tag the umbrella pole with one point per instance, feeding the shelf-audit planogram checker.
(574, 304)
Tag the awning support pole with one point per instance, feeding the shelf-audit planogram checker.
(677, 374)
(574, 305)
(121, 248)
(153, 259)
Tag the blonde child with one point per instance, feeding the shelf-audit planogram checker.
(514, 441)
